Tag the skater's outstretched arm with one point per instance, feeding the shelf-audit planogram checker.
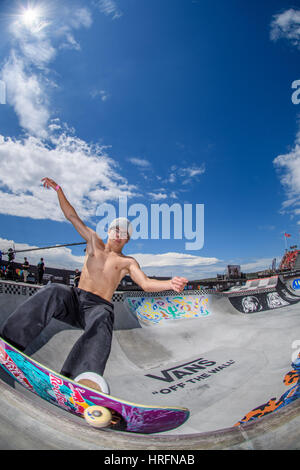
(153, 285)
(70, 213)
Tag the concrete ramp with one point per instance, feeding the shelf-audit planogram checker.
(197, 350)
(194, 350)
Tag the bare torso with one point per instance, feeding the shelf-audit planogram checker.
(103, 270)
(105, 265)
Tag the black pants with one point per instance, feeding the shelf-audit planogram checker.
(76, 307)
(40, 277)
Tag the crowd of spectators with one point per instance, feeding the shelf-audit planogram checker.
(10, 270)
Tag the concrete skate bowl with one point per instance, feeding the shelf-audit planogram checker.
(198, 350)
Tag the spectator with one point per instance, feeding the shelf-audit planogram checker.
(41, 270)
(25, 267)
(77, 277)
(11, 265)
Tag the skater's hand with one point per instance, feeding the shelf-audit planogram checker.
(49, 183)
(178, 283)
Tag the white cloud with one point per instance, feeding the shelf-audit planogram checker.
(80, 17)
(286, 25)
(172, 178)
(157, 196)
(141, 162)
(92, 180)
(185, 175)
(288, 166)
(26, 93)
(179, 264)
(172, 259)
(109, 8)
(26, 70)
(85, 171)
(191, 171)
(290, 163)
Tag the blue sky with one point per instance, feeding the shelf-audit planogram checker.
(161, 101)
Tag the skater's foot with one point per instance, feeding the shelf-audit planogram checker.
(92, 380)
(90, 384)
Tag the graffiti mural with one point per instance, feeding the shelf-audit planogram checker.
(274, 300)
(153, 310)
(258, 302)
(264, 299)
(250, 304)
(274, 404)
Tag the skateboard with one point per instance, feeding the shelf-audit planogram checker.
(99, 409)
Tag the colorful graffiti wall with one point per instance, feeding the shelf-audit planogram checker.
(154, 310)
(274, 404)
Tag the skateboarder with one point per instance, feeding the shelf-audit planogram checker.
(40, 270)
(25, 267)
(87, 306)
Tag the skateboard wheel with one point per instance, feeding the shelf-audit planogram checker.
(98, 416)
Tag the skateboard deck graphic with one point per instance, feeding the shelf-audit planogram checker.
(75, 398)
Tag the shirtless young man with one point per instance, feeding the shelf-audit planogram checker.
(87, 306)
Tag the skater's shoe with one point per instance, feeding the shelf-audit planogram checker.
(93, 380)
